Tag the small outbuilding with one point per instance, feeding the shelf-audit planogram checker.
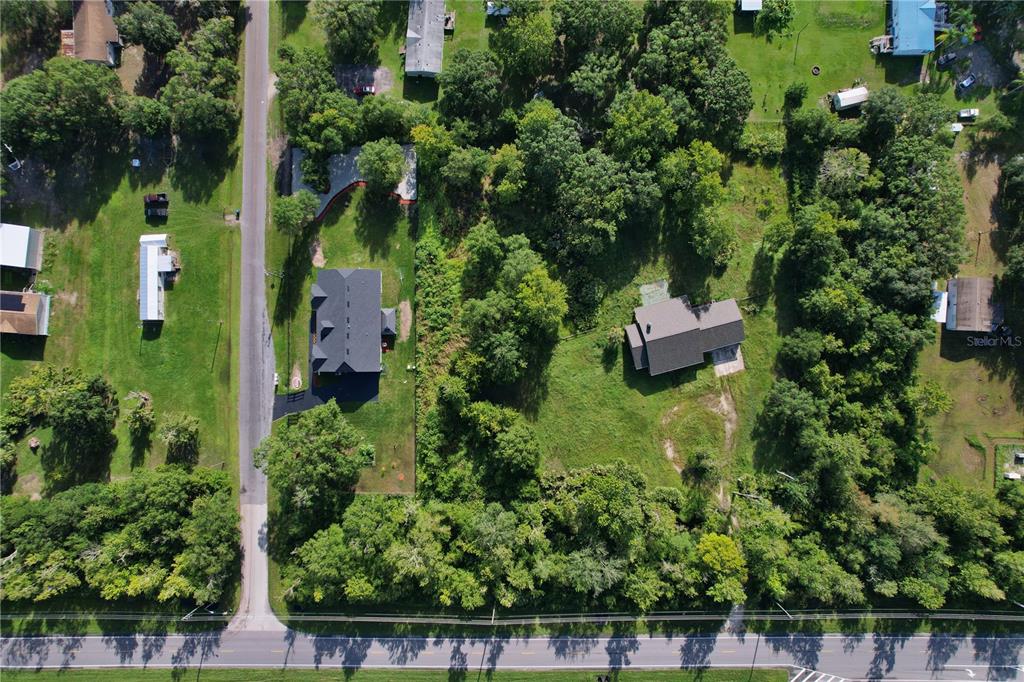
(749, 5)
(21, 247)
(24, 312)
(847, 99)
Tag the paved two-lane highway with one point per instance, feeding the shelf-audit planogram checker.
(837, 657)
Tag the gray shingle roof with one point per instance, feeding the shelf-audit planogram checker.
(424, 38)
(388, 323)
(674, 335)
(346, 320)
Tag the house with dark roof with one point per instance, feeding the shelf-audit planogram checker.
(95, 37)
(970, 306)
(672, 334)
(349, 325)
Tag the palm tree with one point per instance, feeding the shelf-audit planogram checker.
(960, 31)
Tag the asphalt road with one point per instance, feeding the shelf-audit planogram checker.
(256, 350)
(833, 658)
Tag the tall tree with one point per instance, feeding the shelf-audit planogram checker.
(315, 461)
(351, 26)
(382, 164)
(146, 24)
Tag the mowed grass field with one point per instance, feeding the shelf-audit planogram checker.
(360, 231)
(598, 408)
(92, 266)
(228, 675)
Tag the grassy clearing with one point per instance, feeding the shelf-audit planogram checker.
(222, 675)
(360, 231)
(92, 266)
(984, 407)
(598, 408)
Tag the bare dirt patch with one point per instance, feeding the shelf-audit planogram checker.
(670, 454)
(295, 380)
(725, 406)
(404, 320)
(973, 461)
(70, 297)
(316, 252)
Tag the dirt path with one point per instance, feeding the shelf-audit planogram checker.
(316, 252)
(404, 320)
(725, 407)
(670, 454)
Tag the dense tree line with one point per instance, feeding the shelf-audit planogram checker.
(69, 104)
(878, 217)
(164, 534)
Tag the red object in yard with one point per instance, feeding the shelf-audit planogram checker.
(977, 33)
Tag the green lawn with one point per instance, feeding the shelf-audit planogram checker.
(833, 35)
(228, 675)
(92, 266)
(598, 410)
(360, 231)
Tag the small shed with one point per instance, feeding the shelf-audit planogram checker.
(21, 247)
(847, 99)
(1011, 476)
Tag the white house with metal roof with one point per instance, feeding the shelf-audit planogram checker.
(156, 263)
(21, 247)
(424, 38)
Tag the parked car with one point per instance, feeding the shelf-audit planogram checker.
(365, 89)
(968, 115)
(946, 59)
(967, 83)
(156, 211)
(160, 198)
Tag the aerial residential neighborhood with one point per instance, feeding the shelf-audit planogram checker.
(512, 339)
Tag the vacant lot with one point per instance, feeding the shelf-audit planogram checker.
(598, 408)
(91, 264)
(360, 231)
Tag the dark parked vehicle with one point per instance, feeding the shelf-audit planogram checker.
(363, 90)
(156, 205)
(946, 59)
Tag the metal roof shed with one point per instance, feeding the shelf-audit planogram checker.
(151, 282)
(21, 247)
(847, 99)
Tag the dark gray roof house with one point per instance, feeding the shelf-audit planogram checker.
(672, 334)
(348, 322)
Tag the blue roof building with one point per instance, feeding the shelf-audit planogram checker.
(913, 27)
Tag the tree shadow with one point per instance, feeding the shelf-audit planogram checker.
(294, 271)
(199, 169)
(762, 278)
(293, 13)
(67, 464)
(376, 223)
(141, 444)
(419, 89)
